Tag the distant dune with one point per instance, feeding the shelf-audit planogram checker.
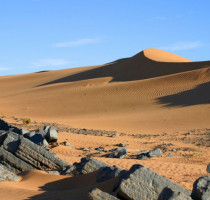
(151, 91)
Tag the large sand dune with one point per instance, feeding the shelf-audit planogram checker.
(150, 93)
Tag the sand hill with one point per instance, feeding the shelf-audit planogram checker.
(156, 94)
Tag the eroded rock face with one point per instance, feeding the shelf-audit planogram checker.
(20, 154)
(6, 175)
(142, 183)
(119, 153)
(97, 194)
(201, 188)
(88, 165)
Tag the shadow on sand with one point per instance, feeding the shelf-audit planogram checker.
(74, 188)
(137, 67)
(195, 96)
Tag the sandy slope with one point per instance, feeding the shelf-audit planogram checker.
(150, 93)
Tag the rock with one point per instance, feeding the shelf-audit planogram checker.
(68, 170)
(20, 154)
(201, 188)
(6, 175)
(121, 145)
(88, 165)
(142, 183)
(170, 155)
(208, 168)
(155, 153)
(148, 154)
(8, 127)
(118, 153)
(169, 194)
(106, 173)
(97, 194)
(39, 140)
(52, 134)
(67, 144)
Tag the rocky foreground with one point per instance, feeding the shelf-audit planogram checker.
(22, 150)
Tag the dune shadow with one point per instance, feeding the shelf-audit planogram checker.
(73, 188)
(137, 67)
(196, 96)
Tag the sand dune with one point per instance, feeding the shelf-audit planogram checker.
(150, 93)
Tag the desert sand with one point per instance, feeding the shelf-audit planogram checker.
(155, 98)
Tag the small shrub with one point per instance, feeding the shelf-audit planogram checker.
(26, 120)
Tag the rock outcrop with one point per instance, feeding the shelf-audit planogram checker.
(142, 183)
(201, 188)
(97, 194)
(18, 153)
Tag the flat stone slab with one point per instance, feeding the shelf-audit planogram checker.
(97, 194)
(144, 184)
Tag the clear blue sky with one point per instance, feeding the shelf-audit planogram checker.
(40, 35)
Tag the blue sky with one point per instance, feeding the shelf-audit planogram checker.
(40, 35)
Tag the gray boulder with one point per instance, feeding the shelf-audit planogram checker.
(119, 153)
(155, 153)
(149, 154)
(208, 168)
(169, 194)
(88, 165)
(201, 188)
(6, 175)
(142, 183)
(39, 140)
(106, 173)
(97, 194)
(51, 134)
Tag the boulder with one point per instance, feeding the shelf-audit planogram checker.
(8, 127)
(97, 194)
(106, 173)
(142, 183)
(169, 194)
(6, 175)
(20, 154)
(119, 153)
(201, 188)
(88, 165)
(208, 168)
(155, 153)
(149, 154)
(39, 140)
(51, 134)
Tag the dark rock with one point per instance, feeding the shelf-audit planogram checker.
(52, 134)
(12, 162)
(169, 194)
(148, 154)
(97, 194)
(208, 168)
(201, 188)
(119, 153)
(88, 165)
(37, 156)
(8, 127)
(155, 153)
(170, 155)
(67, 144)
(21, 154)
(6, 175)
(142, 183)
(39, 140)
(106, 173)
(121, 145)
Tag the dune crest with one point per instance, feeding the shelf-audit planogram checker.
(163, 56)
